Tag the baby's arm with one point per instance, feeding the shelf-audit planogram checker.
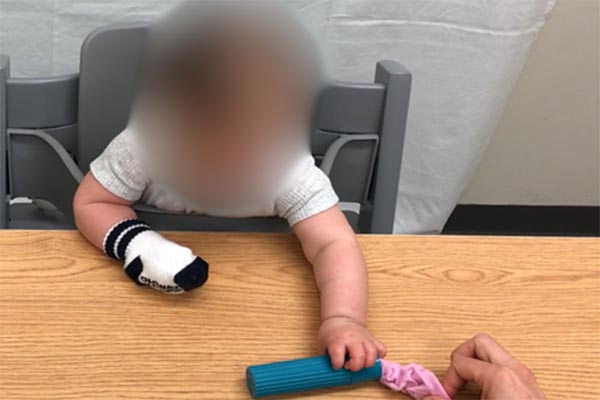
(97, 210)
(149, 259)
(341, 275)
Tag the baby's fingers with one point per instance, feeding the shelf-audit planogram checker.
(371, 354)
(381, 349)
(337, 353)
(357, 356)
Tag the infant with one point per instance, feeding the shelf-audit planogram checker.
(220, 127)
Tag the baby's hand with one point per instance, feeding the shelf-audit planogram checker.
(339, 336)
(154, 261)
(151, 260)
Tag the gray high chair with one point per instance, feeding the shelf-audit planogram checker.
(52, 128)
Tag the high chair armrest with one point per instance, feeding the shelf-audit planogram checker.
(40, 167)
(332, 152)
(351, 162)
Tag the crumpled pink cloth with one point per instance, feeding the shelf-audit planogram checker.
(411, 379)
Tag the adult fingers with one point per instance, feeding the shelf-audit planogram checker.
(464, 369)
(452, 381)
(483, 347)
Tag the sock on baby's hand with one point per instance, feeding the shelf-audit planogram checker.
(151, 260)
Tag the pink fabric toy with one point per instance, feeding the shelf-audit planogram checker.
(411, 379)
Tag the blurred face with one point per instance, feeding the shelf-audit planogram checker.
(232, 122)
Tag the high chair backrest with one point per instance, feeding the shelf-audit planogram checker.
(110, 60)
(357, 139)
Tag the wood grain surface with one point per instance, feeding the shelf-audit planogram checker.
(72, 326)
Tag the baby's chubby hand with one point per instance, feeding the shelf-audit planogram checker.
(339, 336)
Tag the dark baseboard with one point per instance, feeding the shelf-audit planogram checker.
(468, 219)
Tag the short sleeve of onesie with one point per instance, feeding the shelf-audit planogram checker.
(118, 169)
(309, 194)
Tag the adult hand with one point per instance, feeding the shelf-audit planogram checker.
(482, 360)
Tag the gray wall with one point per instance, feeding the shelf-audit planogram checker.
(546, 149)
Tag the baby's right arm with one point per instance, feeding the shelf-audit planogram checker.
(97, 210)
(110, 224)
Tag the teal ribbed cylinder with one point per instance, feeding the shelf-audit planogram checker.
(303, 374)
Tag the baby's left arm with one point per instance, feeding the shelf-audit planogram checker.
(340, 271)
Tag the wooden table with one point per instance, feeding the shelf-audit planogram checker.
(72, 326)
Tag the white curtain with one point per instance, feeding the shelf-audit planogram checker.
(465, 56)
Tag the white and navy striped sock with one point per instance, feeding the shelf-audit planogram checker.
(151, 260)
(120, 235)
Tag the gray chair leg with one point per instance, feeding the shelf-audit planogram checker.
(4, 73)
